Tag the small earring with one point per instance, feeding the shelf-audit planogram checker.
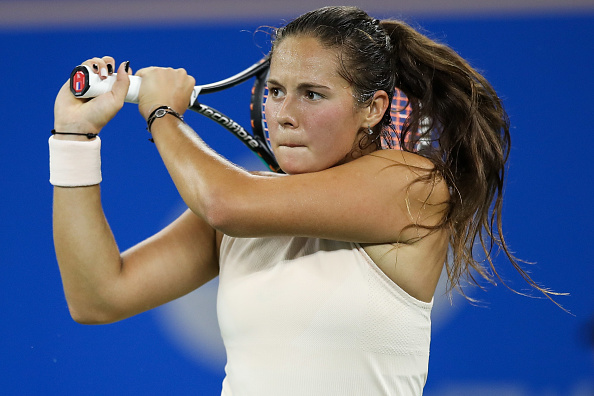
(369, 130)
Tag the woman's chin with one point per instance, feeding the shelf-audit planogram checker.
(293, 169)
(293, 164)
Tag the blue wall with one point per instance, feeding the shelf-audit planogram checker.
(509, 345)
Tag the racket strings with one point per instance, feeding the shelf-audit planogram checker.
(420, 139)
(399, 110)
(264, 122)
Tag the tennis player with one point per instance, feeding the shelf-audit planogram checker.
(327, 274)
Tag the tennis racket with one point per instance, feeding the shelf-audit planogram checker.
(86, 84)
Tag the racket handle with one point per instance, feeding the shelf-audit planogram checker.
(86, 84)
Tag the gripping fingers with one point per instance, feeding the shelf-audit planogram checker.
(122, 87)
(103, 67)
(96, 76)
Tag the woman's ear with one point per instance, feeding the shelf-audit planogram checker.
(377, 108)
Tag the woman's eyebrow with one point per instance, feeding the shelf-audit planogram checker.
(301, 86)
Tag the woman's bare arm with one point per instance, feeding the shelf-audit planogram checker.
(102, 285)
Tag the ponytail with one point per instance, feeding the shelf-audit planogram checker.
(468, 130)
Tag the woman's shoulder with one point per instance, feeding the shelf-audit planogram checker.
(423, 180)
(402, 157)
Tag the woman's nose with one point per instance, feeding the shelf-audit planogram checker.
(286, 114)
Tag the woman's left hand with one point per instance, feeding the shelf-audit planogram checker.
(90, 116)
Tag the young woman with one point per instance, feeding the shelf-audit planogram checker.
(330, 293)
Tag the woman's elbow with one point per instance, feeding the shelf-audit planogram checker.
(223, 213)
(89, 315)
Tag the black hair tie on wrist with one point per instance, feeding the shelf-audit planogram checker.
(88, 135)
(161, 112)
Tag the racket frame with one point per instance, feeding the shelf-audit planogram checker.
(256, 142)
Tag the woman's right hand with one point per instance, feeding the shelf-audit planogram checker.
(91, 115)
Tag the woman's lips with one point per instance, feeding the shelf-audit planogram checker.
(291, 145)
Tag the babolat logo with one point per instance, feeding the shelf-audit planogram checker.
(229, 124)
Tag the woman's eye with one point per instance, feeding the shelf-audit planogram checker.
(274, 92)
(313, 95)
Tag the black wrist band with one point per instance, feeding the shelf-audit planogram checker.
(88, 135)
(161, 112)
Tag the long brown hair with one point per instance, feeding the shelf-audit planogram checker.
(466, 129)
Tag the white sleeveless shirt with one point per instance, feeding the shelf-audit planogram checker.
(308, 317)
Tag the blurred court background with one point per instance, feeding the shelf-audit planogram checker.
(537, 54)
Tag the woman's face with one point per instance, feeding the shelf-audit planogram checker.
(313, 119)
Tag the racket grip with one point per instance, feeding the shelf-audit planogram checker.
(86, 84)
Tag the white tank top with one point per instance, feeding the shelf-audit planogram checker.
(308, 317)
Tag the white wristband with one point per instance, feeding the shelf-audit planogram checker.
(75, 163)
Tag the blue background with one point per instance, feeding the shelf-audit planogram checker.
(510, 344)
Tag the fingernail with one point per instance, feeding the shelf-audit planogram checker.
(127, 66)
(95, 67)
(109, 68)
(103, 72)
